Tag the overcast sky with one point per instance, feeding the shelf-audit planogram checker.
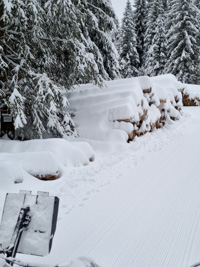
(119, 6)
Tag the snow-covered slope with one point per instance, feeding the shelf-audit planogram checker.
(136, 207)
(125, 108)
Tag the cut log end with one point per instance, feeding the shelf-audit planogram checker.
(48, 177)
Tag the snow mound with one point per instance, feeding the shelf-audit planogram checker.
(125, 108)
(41, 157)
(33, 162)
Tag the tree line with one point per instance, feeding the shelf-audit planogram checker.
(161, 36)
(48, 46)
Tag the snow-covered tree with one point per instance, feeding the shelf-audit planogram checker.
(183, 50)
(156, 46)
(129, 58)
(102, 24)
(25, 53)
(197, 3)
(140, 12)
(83, 41)
(46, 46)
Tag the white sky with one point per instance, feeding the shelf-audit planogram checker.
(119, 6)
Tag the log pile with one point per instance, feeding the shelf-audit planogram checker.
(188, 101)
(191, 95)
(132, 107)
(167, 109)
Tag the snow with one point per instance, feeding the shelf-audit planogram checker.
(145, 82)
(33, 162)
(154, 114)
(8, 5)
(140, 197)
(192, 90)
(66, 152)
(19, 160)
(3, 263)
(120, 102)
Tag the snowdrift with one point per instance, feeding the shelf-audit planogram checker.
(125, 108)
(43, 159)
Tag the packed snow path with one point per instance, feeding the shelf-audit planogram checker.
(149, 212)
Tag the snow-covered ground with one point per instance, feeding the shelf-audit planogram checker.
(136, 205)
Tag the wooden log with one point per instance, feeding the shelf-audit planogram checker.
(48, 177)
(151, 103)
(147, 91)
(131, 136)
(91, 159)
(124, 120)
(198, 100)
(173, 118)
(187, 101)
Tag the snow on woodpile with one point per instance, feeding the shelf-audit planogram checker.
(43, 159)
(125, 108)
(167, 88)
(191, 95)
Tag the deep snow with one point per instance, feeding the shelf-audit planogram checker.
(137, 205)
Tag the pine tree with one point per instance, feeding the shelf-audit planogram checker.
(129, 58)
(102, 24)
(32, 100)
(197, 5)
(183, 48)
(140, 12)
(84, 43)
(156, 54)
(3, 64)
(46, 48)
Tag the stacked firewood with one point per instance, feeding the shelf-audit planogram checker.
(188, 101)
(165, 108)
(125, 109)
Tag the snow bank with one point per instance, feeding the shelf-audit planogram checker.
(41, 158)
(125, 108)
(64, 151)
(33, 162)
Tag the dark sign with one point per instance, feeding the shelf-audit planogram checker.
(37, 215)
